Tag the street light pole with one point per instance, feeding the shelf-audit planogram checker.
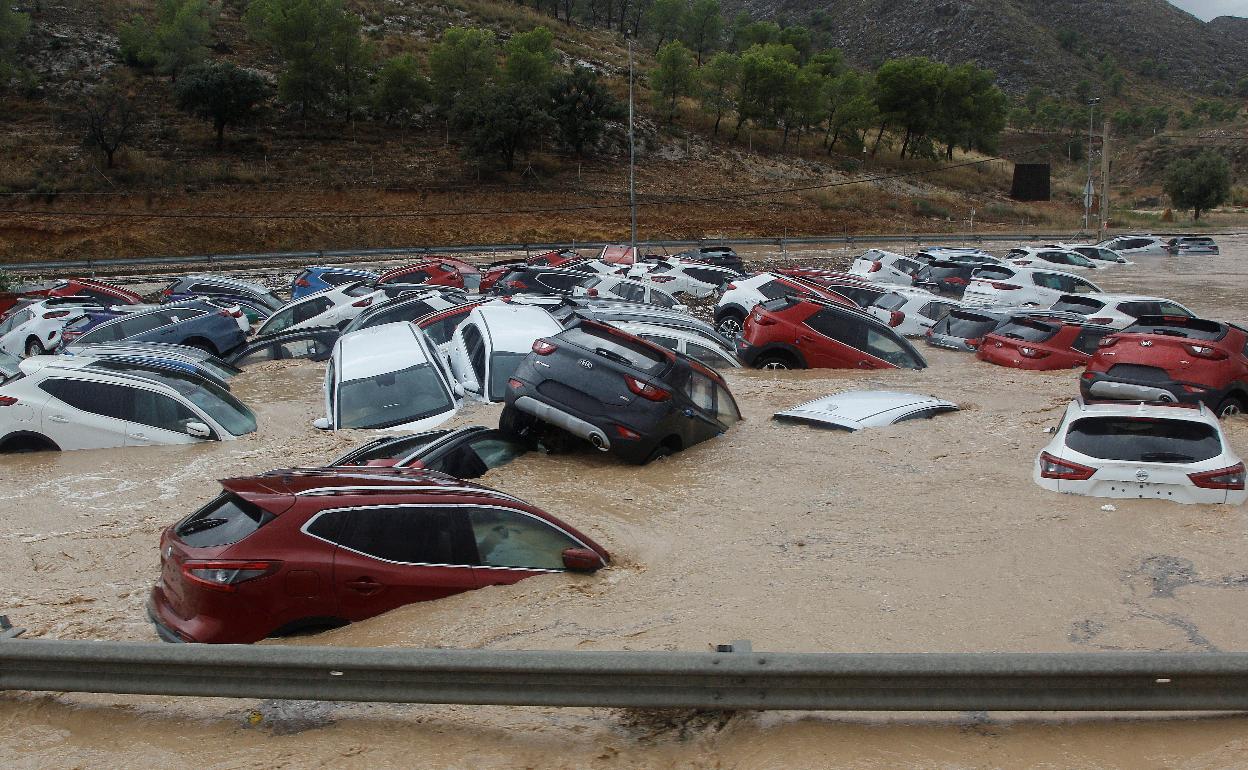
(1087, 189)
(632, 158)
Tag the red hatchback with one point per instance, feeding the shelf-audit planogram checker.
(1172, 358)
(434, 272)
(106, 293)
(804, 333)
(1041, 344)
(300, 549)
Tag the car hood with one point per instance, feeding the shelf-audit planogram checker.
(858, 409)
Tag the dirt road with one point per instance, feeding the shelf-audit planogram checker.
(926, 536)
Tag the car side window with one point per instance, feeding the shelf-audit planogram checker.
(888, 348)
(906, 266)
(558, 281)
(1087, 340)
(476, 351)
(776, 290)
(631, 292)
(833, 325)
(1171, 308)
(205, 288)
(512, 539)
(402, 534)
(668, 342)
(713, 277)
(100, 398)
(442, 330)
(701, 391)
(306, 311)
(1048, 281)
(159, 411)
(711, 358)
(935, 310)
(725, 407)
(1080, 286)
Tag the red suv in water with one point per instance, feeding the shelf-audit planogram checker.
(1173, 358)
(106, 293)
(299, 549)
(1041, 344)
(805, 333)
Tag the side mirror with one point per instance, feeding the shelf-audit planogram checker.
(321, 423)
(198, 430)
(581, 560)
(458, 388)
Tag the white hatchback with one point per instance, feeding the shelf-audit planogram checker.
(885, 267)
(911, 312)
(1050, 256)
(1143, 451)
(1023, 286)
(332, 308)
(492, 341)
(35, 328)
(1137, 245)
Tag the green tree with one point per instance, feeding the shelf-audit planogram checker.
(737, 32)
(972, 110)
(1067, 39)
(850, 106)
(220, 93)
(182, 32)
(1083, 91)
(804, 105)
(461, 64)
(830, 63)
(664, 21)
(798, 37)
(673, 77)
(1199, 183)
(13, 27)
(502, 121)
(764, 79)
(910, 96)
(135, 43)
(530, 59)
(581, 105)
(719, 79)
(401, 90)
(702, 27)
(1157, 118)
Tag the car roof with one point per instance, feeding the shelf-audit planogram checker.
(512, 327)
(75, 367)
(353, 480)
(857, 409)
(334, 269)
(223, 280)
(638, 327)
(379, 350)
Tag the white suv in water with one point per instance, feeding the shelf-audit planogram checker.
(1023, 286)
(66, 403)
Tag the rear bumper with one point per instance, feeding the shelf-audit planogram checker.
(948, 343)
(586, 426)
(1102, 385)
(163, 629)
(565, 420)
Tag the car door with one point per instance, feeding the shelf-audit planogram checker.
(82, 414)
(388, 556)
(841, 350)
(512, 545)
(157, 419)
(474, 455)
(700, 420)
(467, 354)
(709, 356)
(932, 312)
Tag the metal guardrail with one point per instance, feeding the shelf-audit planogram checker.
(347, 255)
(736, 678)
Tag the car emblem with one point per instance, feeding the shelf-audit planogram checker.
(587, 364)
(1141, 475)
(168, 551)
(999, 344)
(1146, 343)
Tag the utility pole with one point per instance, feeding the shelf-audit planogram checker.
(632, 158)
(1088, 190)
(1104, 223)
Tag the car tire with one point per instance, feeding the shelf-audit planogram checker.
(773, 361)
(731, 324)
(1230, 407)
(34, 348)
(660, 451)
(515, 422)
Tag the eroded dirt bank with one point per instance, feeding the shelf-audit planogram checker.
(927, 536)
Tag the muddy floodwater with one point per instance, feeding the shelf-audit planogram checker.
(928, 536)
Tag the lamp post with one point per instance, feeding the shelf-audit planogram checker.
(1087, 189)
(632, 158)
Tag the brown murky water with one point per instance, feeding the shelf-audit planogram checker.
(927, 536)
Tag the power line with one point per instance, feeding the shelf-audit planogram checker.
(501, 212)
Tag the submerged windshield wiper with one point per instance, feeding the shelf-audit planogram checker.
(613, 356)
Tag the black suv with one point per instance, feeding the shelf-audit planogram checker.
(534, 279)
(720, 256)
(619, 392)
(944, 277)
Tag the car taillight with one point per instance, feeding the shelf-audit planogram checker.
(362, 302)
(896, 317)
(626, 433)
(1226, 478)
(974, 342)
(957, 280)
(56, 314)
(167, 293)
(875, 267)
(1107, 342)
(1004, 286)
(543, 348)
(731, 286)
(1206, 351)
(304, 282)
(517, 285)
(1100, 320)
(646, 390)
(592, 292)
(1033, 352)
(514, 383)
(1053, 468)
(226, 575)
(7, 401)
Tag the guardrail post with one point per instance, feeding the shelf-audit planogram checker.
(736, 645)
(7, 631)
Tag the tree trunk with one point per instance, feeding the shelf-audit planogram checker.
(878, 137)
(835, 136)
(905, 143)
(785, 141)
(671, 110)
(718, 117)
(1195, 215)
(737, 133)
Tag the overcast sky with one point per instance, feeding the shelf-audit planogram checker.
(1208, 9)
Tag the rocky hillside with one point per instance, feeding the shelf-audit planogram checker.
(1022, 39)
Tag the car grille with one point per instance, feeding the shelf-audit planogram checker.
(1137, 373)
(570, 397)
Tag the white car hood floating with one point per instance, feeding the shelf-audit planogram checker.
(857, 409)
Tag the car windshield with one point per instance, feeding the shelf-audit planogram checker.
(217, 402)
(618, 348)
(392, 398)
(1030, 331)
(1144, 439)
(502, 365)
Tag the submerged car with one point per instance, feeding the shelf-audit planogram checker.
(1042, 343)
(720, 256)
(808, 333)
(622, 394)
(196, 323)
(1050, 256)
(1136, 245)
(964, 328)
(466, 453)
(492, 341)
(911, 312)
(420, 275)
(312, 344)
(301, 549)
(688, 343)
(1011, 285)
(678, 278)
(740, 297)
(388, 377)
(1118, 310)
(406, 307)
(1143, 451)
(886, 267)
(1187, 245)
(312, 280)
(1173, 358)
(257, 301)
(33, 328)
(857, 409)
(333, 308)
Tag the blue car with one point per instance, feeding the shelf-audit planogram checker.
(314, 279)
(200, 324)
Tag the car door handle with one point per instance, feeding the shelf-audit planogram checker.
(140, 436)
(57, 418)
(365, 585)
(864, 364)
(805, 338)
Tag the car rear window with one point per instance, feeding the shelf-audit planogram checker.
(1030, 331)
(227, 519)
(1081, 305)
(994, 273)
(1144, 439)
(969, 325)
(618, 348)
(889, 301)
(1176, 326)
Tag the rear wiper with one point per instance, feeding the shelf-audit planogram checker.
(613, 356)
(1166, 457)
(199, 526)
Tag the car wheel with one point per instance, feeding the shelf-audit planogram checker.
(1230, 407)
(203, 345)
(34, 348)
(773, 362)
(515, 422)
(730, 325)
(660, 451)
